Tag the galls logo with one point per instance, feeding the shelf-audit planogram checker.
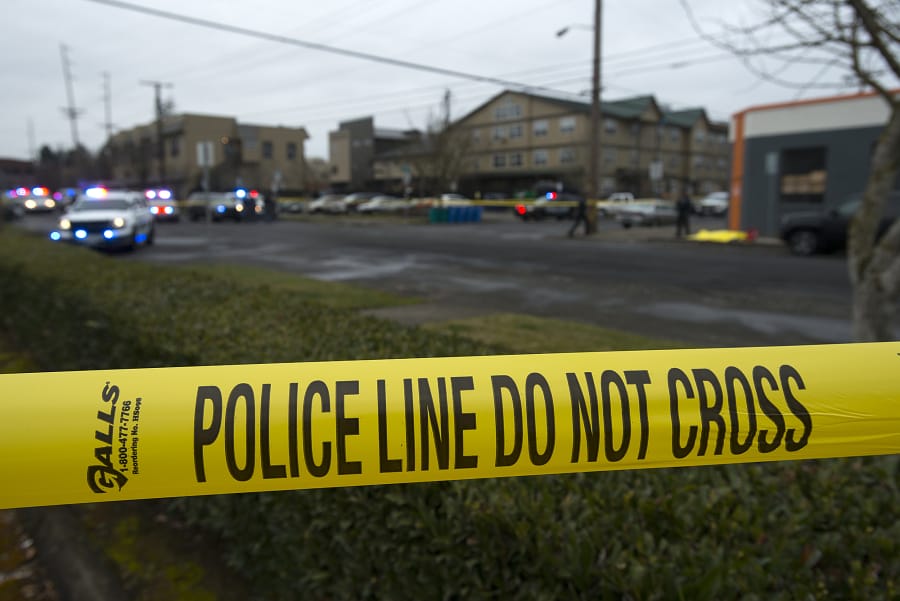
(102, 476)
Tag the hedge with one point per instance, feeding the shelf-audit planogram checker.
(796, 530)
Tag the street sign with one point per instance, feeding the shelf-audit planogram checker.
(205, 154)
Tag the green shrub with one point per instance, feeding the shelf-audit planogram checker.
(798, 530)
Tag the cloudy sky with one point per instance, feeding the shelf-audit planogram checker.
(649, 47)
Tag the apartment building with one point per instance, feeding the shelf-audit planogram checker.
(352, 150)
(252, 156)
(516, 139)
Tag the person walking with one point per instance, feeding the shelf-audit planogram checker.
(683, 206)
(580, 217)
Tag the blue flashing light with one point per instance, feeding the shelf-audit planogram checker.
(220, 209)
(240, 193)
(109, 234)
(550, 195)
(55, 236)
(81, 234)
(165, 194)
(140, 238)
(169, 210)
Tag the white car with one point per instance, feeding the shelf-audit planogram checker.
(648, 213)
(333, 204)
(107, 218)
(383, 204)
(615, 203)
(713, 204)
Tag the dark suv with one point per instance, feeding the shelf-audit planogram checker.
(810, 232)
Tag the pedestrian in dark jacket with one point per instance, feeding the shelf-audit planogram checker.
(683, 206)
(580, 217)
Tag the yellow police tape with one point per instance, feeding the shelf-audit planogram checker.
(72, 437)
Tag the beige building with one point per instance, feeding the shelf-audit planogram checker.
(252, 156)
(515, 140)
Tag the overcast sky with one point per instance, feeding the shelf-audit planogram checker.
(649, 47)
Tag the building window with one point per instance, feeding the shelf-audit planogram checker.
(539, 157)
(700, 136)
(515, 159)
(266, 149)
(698, 162)
(476, 135)
(566, 124)
(566, 156)
(507, 110)
(291, 150)
(674, 162)
(499, 160)
(635, 158)
(675, 134)
(610, 126)
(635, 129)
(515, 131)
(540, 127)
(499, 133)
(609, 156)
(803, 175)
(175, 147)
(720, 162)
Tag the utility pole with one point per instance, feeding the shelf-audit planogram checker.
(160, 147)
(107, 105)
(593, 187)
(32, 153)
(71, 111)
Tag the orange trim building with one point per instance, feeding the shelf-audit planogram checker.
(801, 155)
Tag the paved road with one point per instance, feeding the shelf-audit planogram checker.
(642, 281)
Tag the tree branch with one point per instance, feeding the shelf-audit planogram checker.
(874, 29)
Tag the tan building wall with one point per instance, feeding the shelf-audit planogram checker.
(339, 156)
(249, 154)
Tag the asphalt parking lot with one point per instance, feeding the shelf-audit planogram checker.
(641, 280)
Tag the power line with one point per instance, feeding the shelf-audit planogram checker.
(313, 45)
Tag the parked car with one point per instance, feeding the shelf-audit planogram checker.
(811, 232)
(35, 200)
(162, 204)
(561, 205)
(10, 207)
(657, 212)
(614, 203)
(353, 200)
(383, 204)
(454, 200)
(332, 204)
(107, 218)
(222, 205)
(712, 204)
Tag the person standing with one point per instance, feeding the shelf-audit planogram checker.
(580, 217)
(683, 206)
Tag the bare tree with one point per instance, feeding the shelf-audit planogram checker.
(859, 42)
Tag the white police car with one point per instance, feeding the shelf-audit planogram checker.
(107, 218)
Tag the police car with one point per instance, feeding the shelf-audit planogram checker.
(162, 204)
(107, 218)
(34, 200)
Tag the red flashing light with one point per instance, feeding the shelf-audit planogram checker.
(551, 195)
(253, 193)
(520, 209)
